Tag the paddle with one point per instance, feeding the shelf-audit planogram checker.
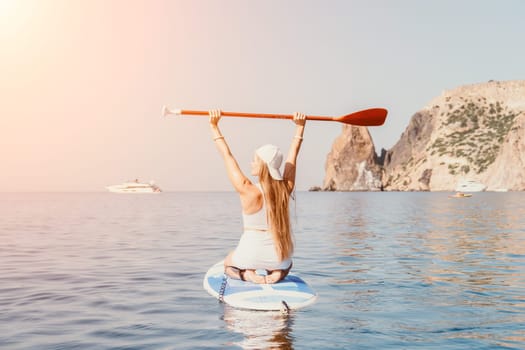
(366, 117)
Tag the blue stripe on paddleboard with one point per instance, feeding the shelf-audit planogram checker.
(233, 286)
(237, 286)
(293, 283)
(215, 282)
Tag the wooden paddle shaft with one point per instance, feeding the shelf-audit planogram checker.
(254, 115)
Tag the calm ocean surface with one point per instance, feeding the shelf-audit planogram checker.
(392, 270)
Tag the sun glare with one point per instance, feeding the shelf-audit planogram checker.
(12, 17)
(7, 7)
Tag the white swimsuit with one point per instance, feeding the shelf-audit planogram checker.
(256, 249)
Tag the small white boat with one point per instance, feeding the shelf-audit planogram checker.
(134, 187)
(470, 186)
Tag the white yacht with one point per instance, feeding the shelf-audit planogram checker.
(134, 187)
(470, 186)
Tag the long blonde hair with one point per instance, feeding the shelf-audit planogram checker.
(277, 197)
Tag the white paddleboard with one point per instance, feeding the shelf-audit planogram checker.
(289, 294)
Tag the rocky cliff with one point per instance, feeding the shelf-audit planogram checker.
(474, 132)
(352, 164)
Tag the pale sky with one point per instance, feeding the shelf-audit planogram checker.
(82, 82)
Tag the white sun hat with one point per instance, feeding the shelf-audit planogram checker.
(271, 155)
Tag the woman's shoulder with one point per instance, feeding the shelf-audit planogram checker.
(252, 199)
(256, 191)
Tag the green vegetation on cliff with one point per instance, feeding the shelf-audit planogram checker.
(478, 129)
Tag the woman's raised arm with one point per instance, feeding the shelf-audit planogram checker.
(235, 174)
(290, 167)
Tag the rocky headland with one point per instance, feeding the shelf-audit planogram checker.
(474, 132)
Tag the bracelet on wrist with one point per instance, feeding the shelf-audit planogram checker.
(298, 137)
(218, 138)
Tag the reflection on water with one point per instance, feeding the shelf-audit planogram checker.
(260, 329)
(452, 267)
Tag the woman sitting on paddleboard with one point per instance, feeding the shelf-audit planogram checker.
(266, 242)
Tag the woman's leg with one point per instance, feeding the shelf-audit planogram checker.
(275, 276)
(232, 271)
(245, 275)
(252, 276)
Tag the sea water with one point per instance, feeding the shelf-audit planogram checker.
(392, 270)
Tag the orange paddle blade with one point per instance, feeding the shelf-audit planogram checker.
(367, 117)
